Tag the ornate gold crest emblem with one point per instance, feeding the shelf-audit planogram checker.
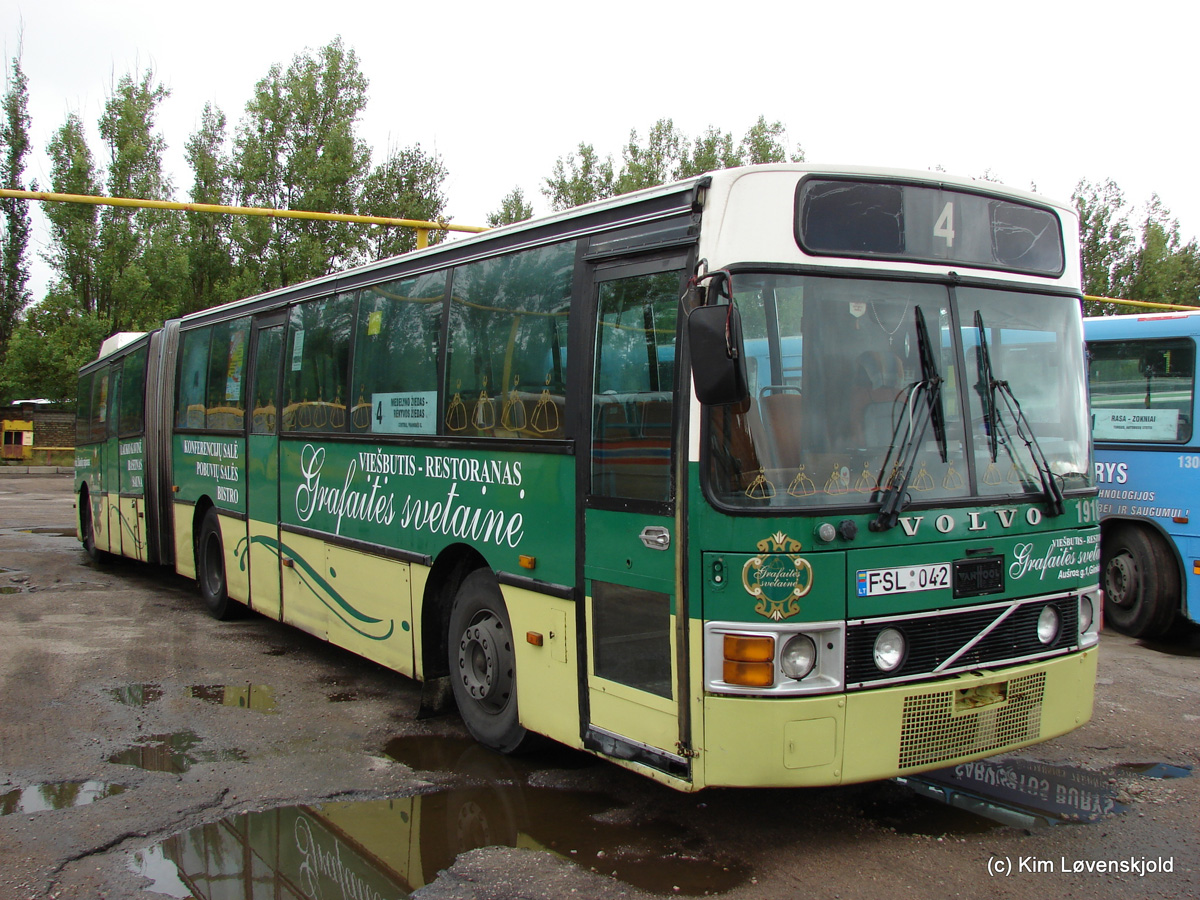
(777, 578)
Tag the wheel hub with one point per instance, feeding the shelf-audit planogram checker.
(480, 665)
(1120, 581)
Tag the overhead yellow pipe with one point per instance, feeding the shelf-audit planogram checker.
(423, 228)
(1142, 303)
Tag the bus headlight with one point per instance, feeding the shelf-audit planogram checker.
(798, 657)
(1091, 612)
(890, 648)
(1048, 625)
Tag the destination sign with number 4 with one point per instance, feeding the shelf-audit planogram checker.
(903, 580)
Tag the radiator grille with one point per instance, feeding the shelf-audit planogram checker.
(932, 732)
(934, 639)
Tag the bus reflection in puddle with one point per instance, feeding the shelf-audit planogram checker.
(1026, 793)
(389, 848)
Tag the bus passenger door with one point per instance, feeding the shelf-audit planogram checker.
(636, 687)
(262, 468)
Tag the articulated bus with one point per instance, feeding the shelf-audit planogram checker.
(1142, 375)
(776, 476)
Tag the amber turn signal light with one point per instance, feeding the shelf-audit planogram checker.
(746, 648)
(749, 674)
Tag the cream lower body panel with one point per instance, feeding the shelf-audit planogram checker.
(848, 738)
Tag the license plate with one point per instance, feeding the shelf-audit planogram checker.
(903, 580)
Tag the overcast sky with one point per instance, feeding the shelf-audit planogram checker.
(1039, 94)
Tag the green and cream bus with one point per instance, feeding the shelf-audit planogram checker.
(776, 476)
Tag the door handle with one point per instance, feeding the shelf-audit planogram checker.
(656, 537)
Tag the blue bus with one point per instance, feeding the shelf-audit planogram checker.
(1142, 376)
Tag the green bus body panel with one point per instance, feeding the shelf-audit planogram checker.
(615, 554)
(1041, 555)
(132, 465)
(504, 504)
(213, 466)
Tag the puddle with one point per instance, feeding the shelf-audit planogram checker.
(136, 694)
(393, 847)
(56, 795)
(463, 756)
(60, 531)
(174, 753)
(1019, 792)
(1157, 770)
(258, 697)
(9, 589)
(342, 697)
(276, 651)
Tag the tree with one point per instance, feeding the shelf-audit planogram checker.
(74, 229)
(763, 143)
(1165, 270)
(406, 185)
(14, 139)
(513, 208)
(667, 155)
(55, 338)
(711, 151)
(135, 292)
(576, 182)
(297, 148)
(656, 163)
(208, 238)
(1106, 242)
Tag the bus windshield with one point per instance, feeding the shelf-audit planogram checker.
(840, 401)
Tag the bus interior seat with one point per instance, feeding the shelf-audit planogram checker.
(780, 407)
(879, 380)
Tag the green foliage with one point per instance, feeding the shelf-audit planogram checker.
(406, 185)
(1159, 267)
(513, 208)
(296, 148)
(668, 155)
(579, 181)
(74, 227)
(208, 238)
(51, 342)
(140, 250)
(14, 142)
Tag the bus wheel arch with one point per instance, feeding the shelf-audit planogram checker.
(1141, 580)
(210, 563)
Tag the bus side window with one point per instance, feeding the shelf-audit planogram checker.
(226, 405)
(190, 407)
(394, 381)
(133, 392)
(317, 364)
(505, 355)
(633, 387)
(83, 411)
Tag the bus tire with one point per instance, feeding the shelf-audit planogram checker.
(1141, 583)
(210, 568)
(483, 664)
(88, 527)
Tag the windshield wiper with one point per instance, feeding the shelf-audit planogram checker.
(997, 388)
(915, 422)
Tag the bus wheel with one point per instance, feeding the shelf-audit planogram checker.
(88, 528)
(210, 568)
(483, 664)
(1141, 583)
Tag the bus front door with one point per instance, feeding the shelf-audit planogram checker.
(636, 684)
(262, 469)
